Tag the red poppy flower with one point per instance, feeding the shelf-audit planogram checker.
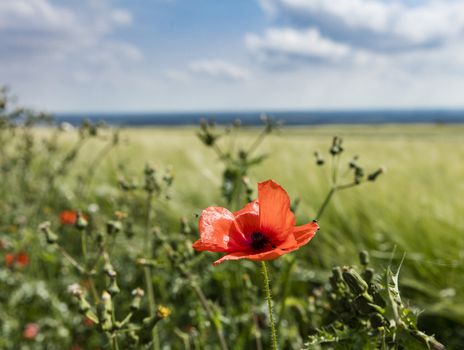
(9, 259)
(263, 230)
(30, 331)
(22, 259)
(68, 217)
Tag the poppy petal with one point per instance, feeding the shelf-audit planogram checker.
(268, 255)
(276, 218)
(304, 233)
(218, 232)
(247, 220)
(250, 208)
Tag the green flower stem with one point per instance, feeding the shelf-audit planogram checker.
(325, 203)
(267, 290)
(147, 271)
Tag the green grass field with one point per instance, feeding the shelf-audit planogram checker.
(416, 207)
(414, 210)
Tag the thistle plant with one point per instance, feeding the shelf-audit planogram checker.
(340, 181)
(363, 308)
(236, 158)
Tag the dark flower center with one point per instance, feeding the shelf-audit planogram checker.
(258, 240)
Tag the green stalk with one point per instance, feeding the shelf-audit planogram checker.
(216, 323)
(267, 290)
(147, 272)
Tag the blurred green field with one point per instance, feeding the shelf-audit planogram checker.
(414, 210)
(417, 206)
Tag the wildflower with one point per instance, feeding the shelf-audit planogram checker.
(263, 230)
(30, 331)
(68, 217)
(9, 259)
(22, 259)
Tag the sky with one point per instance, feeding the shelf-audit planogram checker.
(232, 55)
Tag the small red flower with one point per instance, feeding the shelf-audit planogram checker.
(30, 331)
(68, 217)
(263, 230)
(9, 259)
(22, 259)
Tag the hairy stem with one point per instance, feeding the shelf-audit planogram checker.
(267, 290)
(147, 270)
(326, 202)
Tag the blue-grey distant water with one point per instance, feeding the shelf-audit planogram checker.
(428, 116)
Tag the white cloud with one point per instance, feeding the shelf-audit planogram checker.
(377, 24)
(121, 17)
(282, 43)
(33, 14)
(39, 37)
(219, 69)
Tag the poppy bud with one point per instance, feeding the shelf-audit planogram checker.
(373, 176)
(319, 160)
(81, 221)
(368, 275)
(107, 302)
(113, 288)
(336, 146)
(337, 273)
(354, 281)
(138, 294)
(352, 164)
(50, 236)
(364, 257)
(84, 305)
(104, 318)
(113, 227)
(109, 270)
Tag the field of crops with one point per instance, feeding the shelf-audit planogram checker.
(112, 264)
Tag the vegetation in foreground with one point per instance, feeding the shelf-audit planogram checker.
(112, 263)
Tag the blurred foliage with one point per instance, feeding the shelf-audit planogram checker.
(121, 272)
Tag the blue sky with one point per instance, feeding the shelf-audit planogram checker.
(183, 55)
